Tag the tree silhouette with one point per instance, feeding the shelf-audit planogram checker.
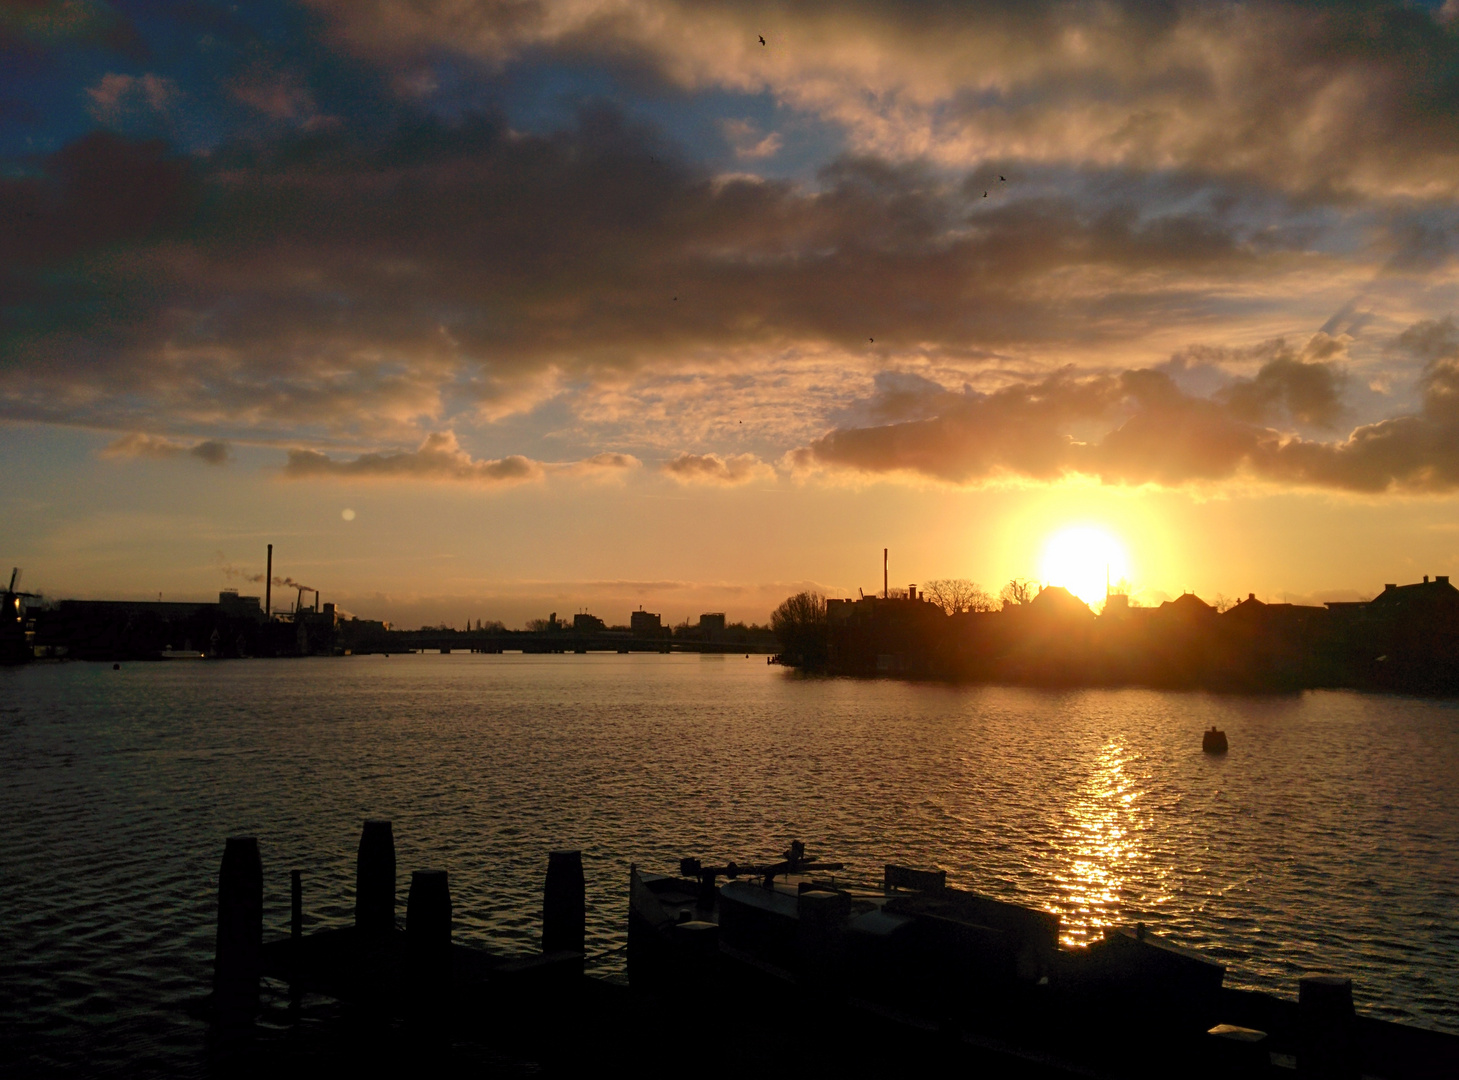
(1017, 591)
(800, 626)
(957, 594)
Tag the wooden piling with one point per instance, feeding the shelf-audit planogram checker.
(564, 903)
(1328, 1046)
(238, 960)
(296, 904)
(375, 879)
(428, 925)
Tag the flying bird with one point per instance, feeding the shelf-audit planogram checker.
(872, 340)
(985, 194)
(1003, 179)
(762, 39)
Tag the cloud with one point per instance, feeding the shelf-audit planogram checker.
(748, 143)
(714, 469)
(1307, 387)
(121, 101)
(1292, 93)
(601, 466)
(1170, 169)
(278, 95)
(440, 458)
(141, 445)
(1139, 427)
(269, 285)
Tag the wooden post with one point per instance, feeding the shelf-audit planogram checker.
(428, 926)
(1328, 1026)
(238, 961)
(564, 903)
(375, 879)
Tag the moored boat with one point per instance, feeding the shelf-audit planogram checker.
(948, 966)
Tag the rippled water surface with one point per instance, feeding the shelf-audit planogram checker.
(1327, 840)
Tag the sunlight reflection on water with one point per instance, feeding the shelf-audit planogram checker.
(1101, 829)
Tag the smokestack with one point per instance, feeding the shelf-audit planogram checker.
(884, 592)
(268, 585)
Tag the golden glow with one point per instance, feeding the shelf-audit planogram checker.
(1082, 558)
(1099, 847)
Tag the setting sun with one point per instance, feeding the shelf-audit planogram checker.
(1082, 558)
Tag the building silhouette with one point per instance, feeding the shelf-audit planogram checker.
(1406, 638)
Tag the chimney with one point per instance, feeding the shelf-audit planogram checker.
(1442, 579)
(1251, 596)
(885, 592)
(268, 585)
(1389, 587)
(911, 592)
(1426, 579)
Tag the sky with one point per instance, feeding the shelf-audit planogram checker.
(483, 310)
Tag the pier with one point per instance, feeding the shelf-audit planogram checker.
(421, 999)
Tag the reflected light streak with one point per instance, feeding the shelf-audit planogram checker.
(1098, 845)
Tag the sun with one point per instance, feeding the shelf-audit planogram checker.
(1082, 558)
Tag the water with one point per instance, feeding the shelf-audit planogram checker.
(1326, 841)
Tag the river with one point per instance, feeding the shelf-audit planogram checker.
(1325, 841)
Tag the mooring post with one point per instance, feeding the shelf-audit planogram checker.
(1328, 1047)
(564, 903)
(375, 879)
(428, 926)
(238, 960)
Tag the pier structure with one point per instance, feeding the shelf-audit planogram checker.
(727, 1015)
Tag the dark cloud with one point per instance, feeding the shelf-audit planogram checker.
(1147, 430)
(344, 281)
(1306, 387)
(1319, 96)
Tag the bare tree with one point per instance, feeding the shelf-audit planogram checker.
(800, 625)
(1017, 591)
(1223, 602)
(957, 594)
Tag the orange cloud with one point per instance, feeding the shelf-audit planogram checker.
(141, 445)
(713, 469)
(441, 458)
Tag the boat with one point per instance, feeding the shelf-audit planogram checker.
(1213, 741)
(936, 965)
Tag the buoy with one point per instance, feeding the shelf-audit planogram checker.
(1214, 741)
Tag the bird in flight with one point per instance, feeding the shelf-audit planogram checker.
(762, 39)
(872, 340)
(985, 194)
(1003, 179)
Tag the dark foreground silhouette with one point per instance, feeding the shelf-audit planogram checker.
(783, 965)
